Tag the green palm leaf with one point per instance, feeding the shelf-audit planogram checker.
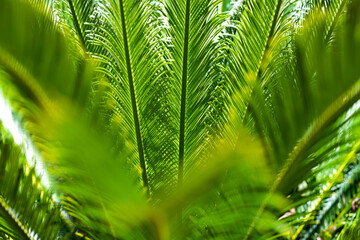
(261, 27)
(194, 26)
(175, 84)
(134, 62)
(319, 107)
(27, 209)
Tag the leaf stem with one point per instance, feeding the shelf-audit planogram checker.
(13, 221)
(76, 23)
(183, 95)
(133, 101)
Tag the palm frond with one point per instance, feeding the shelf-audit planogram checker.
(225, 208)
(330, 215)
(98, 184)
(322, 109)
(261, 27)
(327, 188)
(27, 210)
(194, 26)
(262, 32)
(18, 56)
(133, 61)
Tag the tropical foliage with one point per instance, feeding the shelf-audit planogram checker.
(181, 119)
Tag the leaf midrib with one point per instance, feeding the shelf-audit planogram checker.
(183, 95)
(266, 47)
(13, 220)
(133, 101)
(76, 23)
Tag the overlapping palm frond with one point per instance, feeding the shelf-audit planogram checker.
(27, 210)
(325, 214)
(99, 186)
(331, 184)
(227, 209)
(62, 75)
(261, 33)
(313, 96)
(54, 122)
(171, 95)
(128, 42)
(78, 156)
(318, 85)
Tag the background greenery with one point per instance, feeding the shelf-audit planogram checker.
(181, 119)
